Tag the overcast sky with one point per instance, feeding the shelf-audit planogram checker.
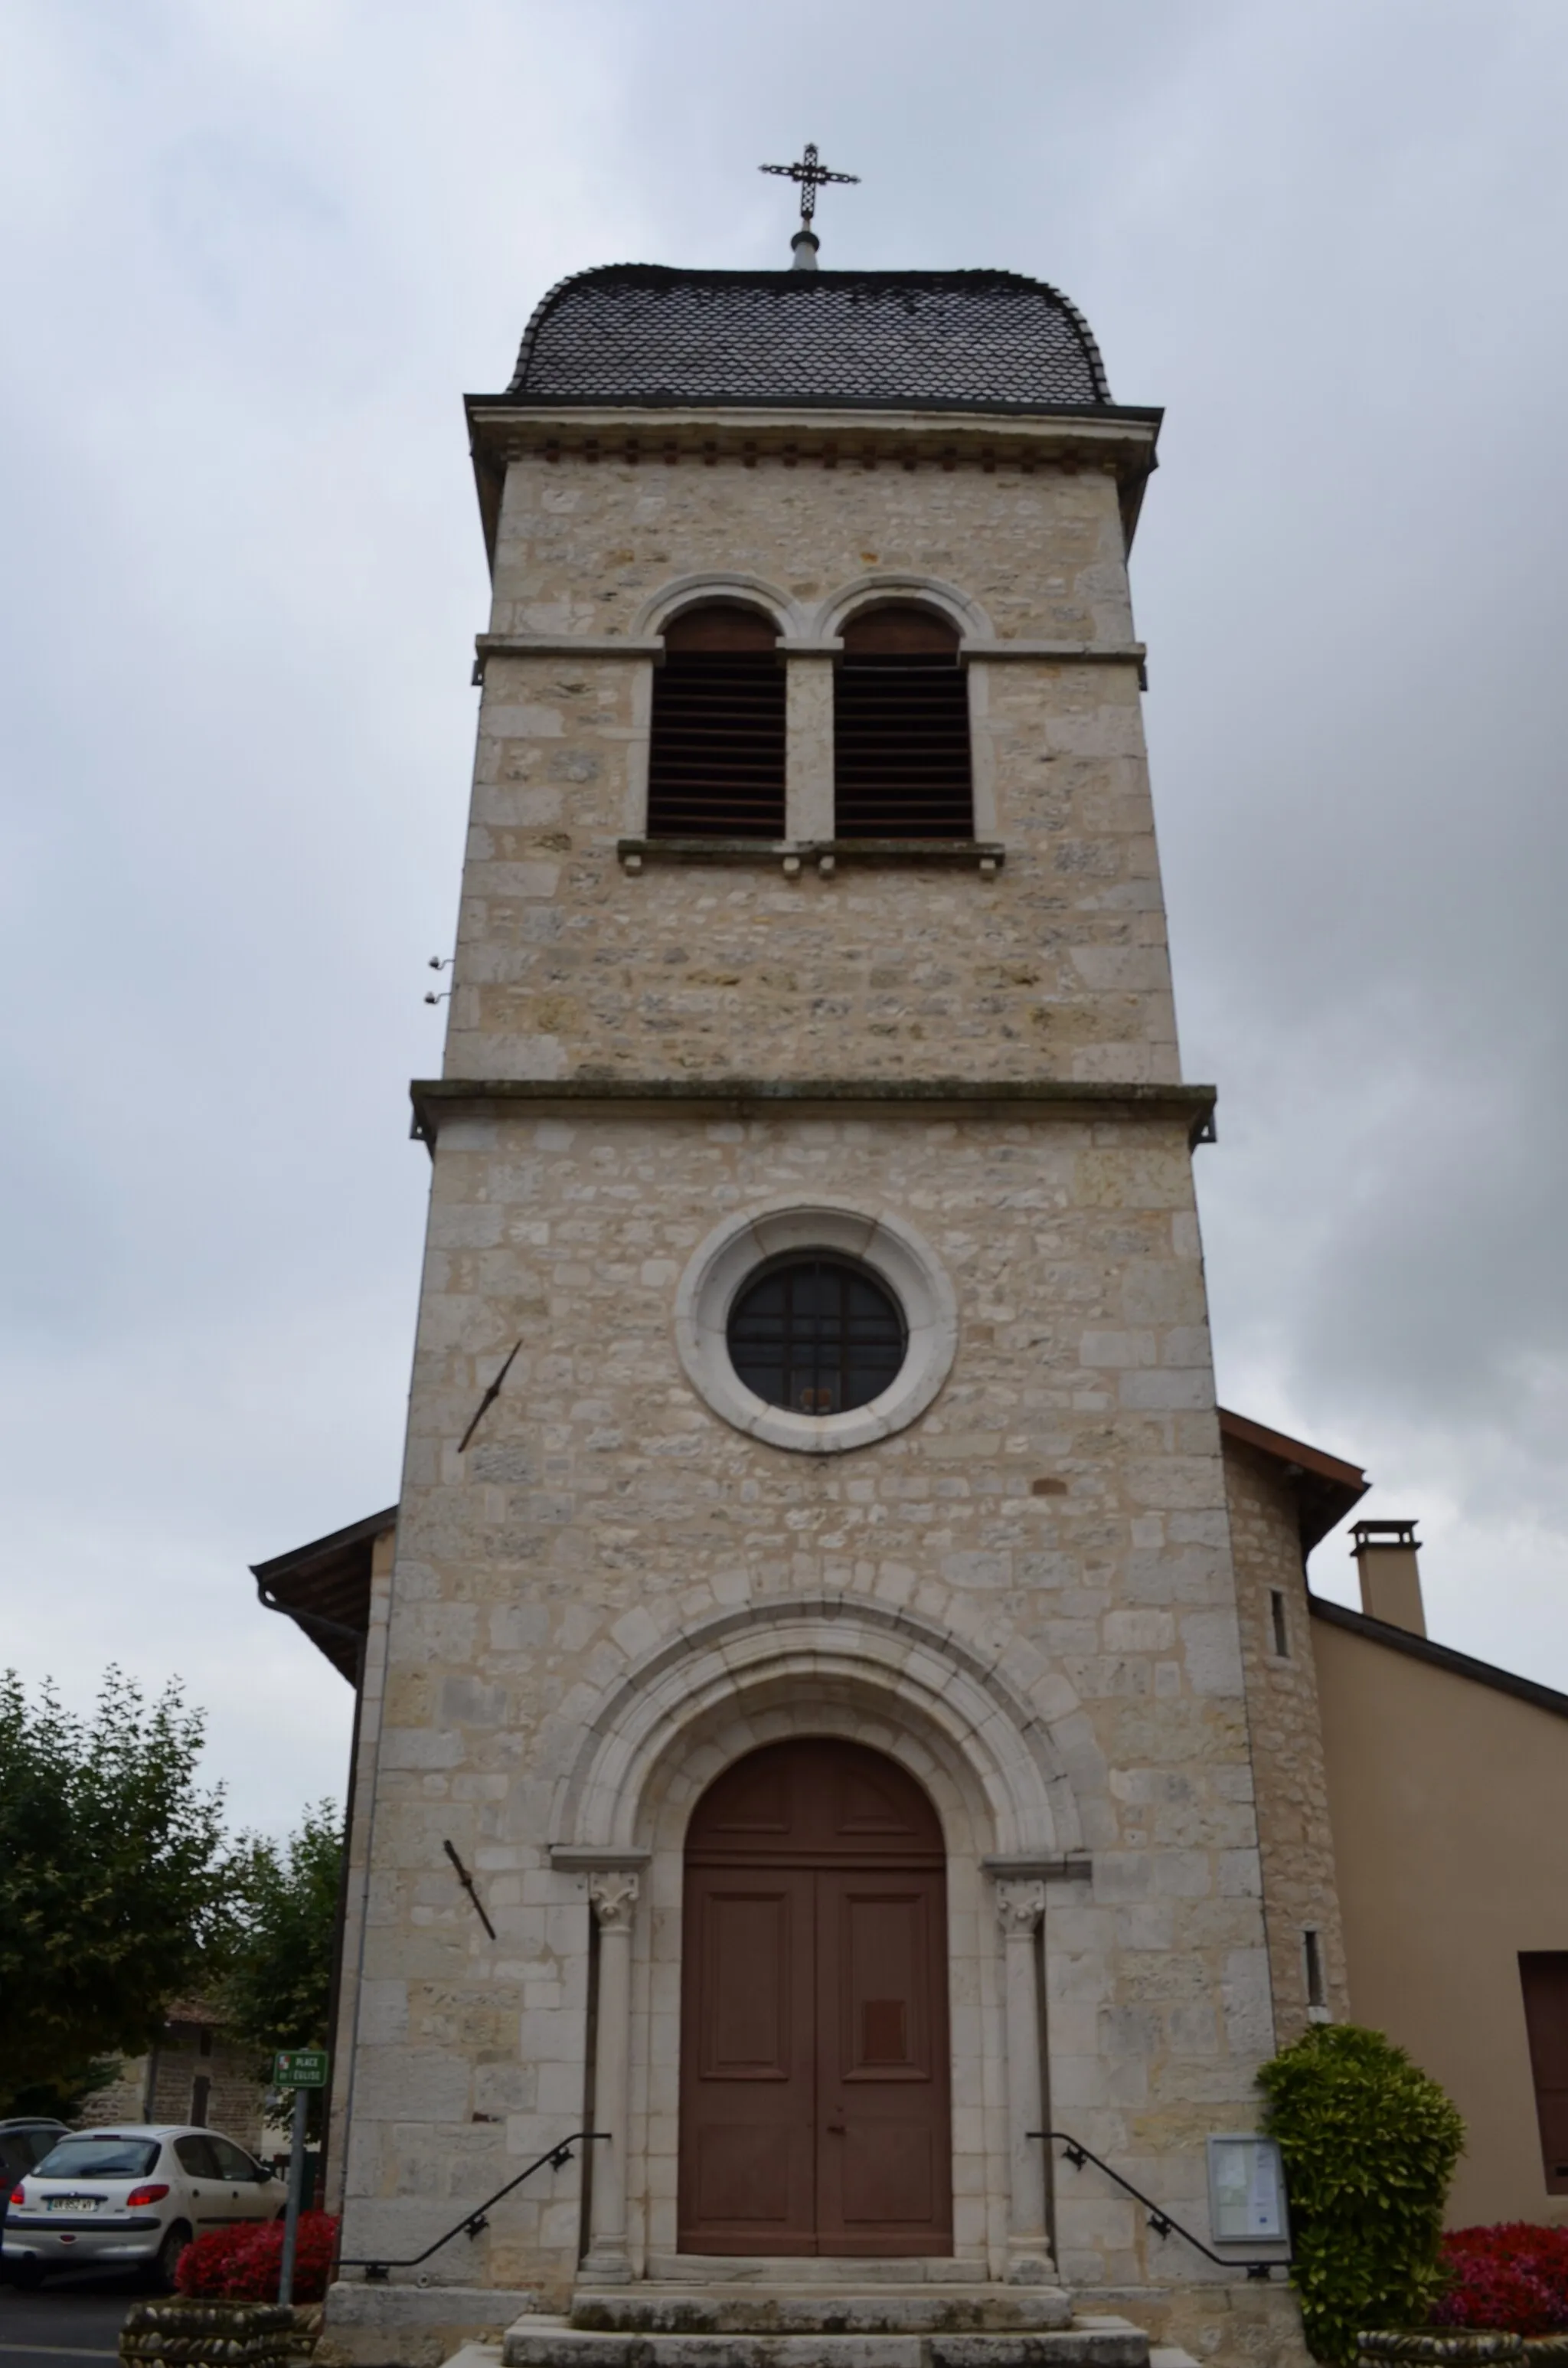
(254, 251)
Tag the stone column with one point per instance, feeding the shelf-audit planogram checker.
(1020, 1908)
(808, 793)
(614, 1896)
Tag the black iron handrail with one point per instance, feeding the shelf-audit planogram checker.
(479, 2218)
(1160, 2220)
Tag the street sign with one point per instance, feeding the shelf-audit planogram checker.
(299, 2068)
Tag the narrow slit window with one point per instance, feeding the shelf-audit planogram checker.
(1311, 1958)
(716, 757)
(901, 748)
(1280, 1623)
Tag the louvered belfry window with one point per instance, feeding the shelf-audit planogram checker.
(716, 763)
(900, 762)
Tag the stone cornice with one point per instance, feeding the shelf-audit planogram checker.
(1120, 442)
(839, 437)
(1040, 1098)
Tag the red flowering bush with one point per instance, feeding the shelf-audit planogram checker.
(243, 2263)
(1511, 2279)
(202, 2270)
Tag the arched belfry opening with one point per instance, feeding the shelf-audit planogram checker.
(901, 733)
(814, 2113)
(717, 752)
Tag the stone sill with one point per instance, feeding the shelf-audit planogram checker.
(982, 855)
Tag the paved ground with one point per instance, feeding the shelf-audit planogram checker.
(69, 2322)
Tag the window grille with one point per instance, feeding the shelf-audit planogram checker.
(900, 729)
(716, 760)
(817, 1336)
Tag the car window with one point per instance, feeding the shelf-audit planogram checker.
(99, 2157)
(196, 2157)
(233, 2163)
(36, 2144)
(15, 2156)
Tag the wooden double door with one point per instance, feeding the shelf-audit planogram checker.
(813, 2092)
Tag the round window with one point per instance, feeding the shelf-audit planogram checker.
(816, 1327)
(817, 1334)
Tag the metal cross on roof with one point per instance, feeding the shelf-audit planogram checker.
(811, 175)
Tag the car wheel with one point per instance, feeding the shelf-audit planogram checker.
(167, 2258)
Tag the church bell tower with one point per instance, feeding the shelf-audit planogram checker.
(813, 1628)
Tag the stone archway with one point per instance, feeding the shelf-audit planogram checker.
(990, 1764)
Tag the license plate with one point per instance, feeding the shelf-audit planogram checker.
(73, 2203)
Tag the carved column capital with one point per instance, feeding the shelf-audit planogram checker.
(1020, 1904)
(614, 1896)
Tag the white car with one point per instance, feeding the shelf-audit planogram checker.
(133, 2196)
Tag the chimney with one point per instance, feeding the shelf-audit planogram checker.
(1386, 1561)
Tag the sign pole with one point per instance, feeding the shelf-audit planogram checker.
(296, 2181)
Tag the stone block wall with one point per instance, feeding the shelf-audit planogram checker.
(1054, 1525)
(1057, 966)
(1300, 1889)
(162, 2086)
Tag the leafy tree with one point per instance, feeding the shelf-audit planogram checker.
(1369, 2144)
(281, 1927)
(110, 1872)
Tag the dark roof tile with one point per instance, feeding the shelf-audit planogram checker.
(644, 335)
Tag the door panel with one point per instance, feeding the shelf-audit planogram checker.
(746, 2132)
(814, 2113)
(884, 2179)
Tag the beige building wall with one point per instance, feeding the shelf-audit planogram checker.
(1448, 1799)
(1300, 1893)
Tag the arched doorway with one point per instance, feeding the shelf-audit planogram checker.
(814, 2082)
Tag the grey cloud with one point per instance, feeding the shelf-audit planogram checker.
(254, 256)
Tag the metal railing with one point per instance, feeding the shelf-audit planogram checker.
(1160, 2220)
(473, 2222)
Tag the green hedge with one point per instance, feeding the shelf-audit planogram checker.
(1369, 2145)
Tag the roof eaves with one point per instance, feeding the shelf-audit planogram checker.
(282, 1565)
(1438, 1657)
(1286, 1450)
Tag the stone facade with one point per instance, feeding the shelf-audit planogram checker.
(194, 2074)
(1060, 970)
(1025, 1594)
(1299, 1887)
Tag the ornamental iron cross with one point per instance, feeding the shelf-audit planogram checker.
(811, 176)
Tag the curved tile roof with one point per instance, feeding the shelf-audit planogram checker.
(644, 333)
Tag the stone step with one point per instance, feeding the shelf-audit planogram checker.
(541, 2342)
(812, 2270)
(839, 2309)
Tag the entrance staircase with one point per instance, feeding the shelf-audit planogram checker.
(739, 2313)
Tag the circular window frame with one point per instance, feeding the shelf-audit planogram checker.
(734, 1254)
